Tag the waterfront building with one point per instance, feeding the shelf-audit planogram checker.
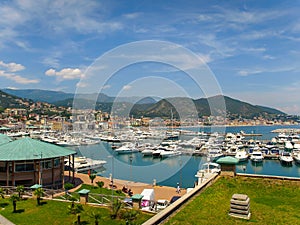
(27, 162)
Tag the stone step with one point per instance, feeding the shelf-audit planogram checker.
(239, 197)
(242, 207)
(241, 216)
(238, 202)
(237, 211)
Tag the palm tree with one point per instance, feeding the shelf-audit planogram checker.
(20, 190)
(100, 184)
(39, 193)
(76, 209)
(96, 215)
(14, 198)
(92, 177)
(130, 215)
(72, 199)
(116, 206)
(2, 192)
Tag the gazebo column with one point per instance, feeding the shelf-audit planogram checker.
(69, 160)
(13, 183)
(73, 168)
(7, 173)
(52, 173)
(62, 169)
(35, 176)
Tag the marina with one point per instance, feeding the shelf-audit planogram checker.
(171, 157)
(143, 167)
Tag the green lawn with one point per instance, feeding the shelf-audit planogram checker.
(271, 202)
(104, 191)
(56, 213)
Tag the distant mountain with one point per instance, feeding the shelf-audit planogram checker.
(234, 108)
(148, 106)
(59, 96)
(11, 101)
(40, 95)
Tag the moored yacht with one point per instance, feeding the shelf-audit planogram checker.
(241, 155)
(297, 157)
(84, 164)
(286, 157)
(126, 149)
(214, 154)
(257, 156)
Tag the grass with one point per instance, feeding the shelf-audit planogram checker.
(271, 202)
(56, 213)
(103, 191)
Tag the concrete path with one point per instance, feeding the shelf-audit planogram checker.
(161, 192)
(4, 221)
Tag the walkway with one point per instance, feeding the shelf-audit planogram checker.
(161, 192)
(4, 221)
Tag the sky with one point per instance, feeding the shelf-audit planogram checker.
(250, 48)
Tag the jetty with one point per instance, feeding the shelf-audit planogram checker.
(287, 130)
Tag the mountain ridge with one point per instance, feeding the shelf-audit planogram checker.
(152, 108)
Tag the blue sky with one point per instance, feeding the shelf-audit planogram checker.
(251, 47)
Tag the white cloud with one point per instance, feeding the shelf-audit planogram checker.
(17, 78)
(12, 67)
(106, 87)
(132, 15)
(65, 74)
(127, 87)
(247, 72)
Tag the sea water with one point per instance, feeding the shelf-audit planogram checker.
(181, 169)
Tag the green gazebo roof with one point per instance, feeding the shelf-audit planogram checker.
(36, 186)
(4, 139)
(83, 191)
(30, 149)
(227, 160)
(137, 197)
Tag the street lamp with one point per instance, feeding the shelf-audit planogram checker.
(40, 169)
(112, 178)
(130, 160)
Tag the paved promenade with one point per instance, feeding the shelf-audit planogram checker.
(4, 221)
(160, 192)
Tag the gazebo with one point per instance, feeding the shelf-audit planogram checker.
(27, 162)
(228, 165)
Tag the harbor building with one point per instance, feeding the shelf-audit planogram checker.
(27, 162)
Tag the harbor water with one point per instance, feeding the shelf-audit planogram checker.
(181, 169)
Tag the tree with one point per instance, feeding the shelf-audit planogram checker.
(68, 186)
(100, 184)
(20, 190)
(76, 210)
(96, 216)
(129, 215)
(116, 206)
(92, 177)
(39, 193)
(14, 198)
(2, 192)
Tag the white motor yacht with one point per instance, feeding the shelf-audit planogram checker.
(126, 149)
(214, 154)
(147, 152)
(297, 157)
(286, 157)
(242, 156)
(84, 164)
(257, 156)
(167, 153)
